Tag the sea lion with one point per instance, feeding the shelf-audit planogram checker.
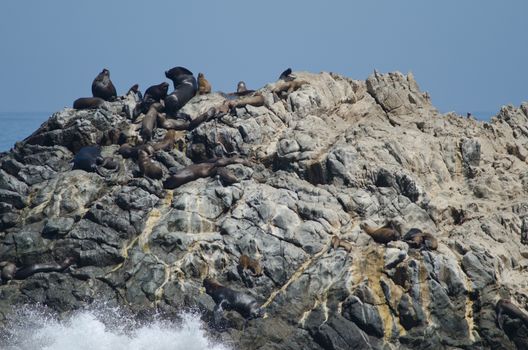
(381, 235)
(204, 87)
(148, 167)
(155, 93)
(102, 86)
(246, 263)
(168, 142)
(185, 87)
(111, 137)
(88, 103)
(286, 75)
(288, 86)
(256, 100)
(229, 299)
(149, 121)
(89, 159)
(196, 171)
(336, 242)
(128, 151)
(506, 307)
(416, 238)
(134, 90)
(10, 271)
(226, 176)
(7, 272)
(185, 122)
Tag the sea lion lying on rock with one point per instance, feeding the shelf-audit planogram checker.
(416, 238)
(89, 159)
(229, 299)
(337, 242)
(196, 171)
(89, 103)
(185, 122)
(9, 270)
(383, 234)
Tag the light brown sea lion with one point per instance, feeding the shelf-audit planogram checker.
(337, 242)
(7, 272)
(229, 299)
(506, 307)
(149, 121)
(148, 167)
(246, 263)
(204, 87)
(256, 100)
(168, 142)
(288, 86)
(416, 238)
(102, 86)
(381, 235)
(88, 103)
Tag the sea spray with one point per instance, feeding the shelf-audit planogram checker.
(32, 328)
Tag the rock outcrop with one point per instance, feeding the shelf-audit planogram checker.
(325, 158)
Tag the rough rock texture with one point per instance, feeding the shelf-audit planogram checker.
(333, 154)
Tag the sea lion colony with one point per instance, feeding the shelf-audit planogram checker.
(156, 108)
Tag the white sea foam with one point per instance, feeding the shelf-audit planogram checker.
(102, 329)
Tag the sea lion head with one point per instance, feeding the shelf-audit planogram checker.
(164, 87)
(210, 285)
(241, 86)
(105, 72)
(200, 75)
(173, 73)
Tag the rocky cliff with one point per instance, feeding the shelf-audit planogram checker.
(324, 159)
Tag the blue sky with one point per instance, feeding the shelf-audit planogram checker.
(470, 55)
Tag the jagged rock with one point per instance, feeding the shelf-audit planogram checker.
(321, 159)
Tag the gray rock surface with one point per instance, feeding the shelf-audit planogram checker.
(325, 158)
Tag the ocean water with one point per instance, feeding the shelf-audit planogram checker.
(101, 328)
(16, 126)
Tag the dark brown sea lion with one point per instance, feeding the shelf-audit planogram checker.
(196, 171)
(226, 176)
(157, 92)
(416, 238)
(336, 242)
(149, 121)
(185, 122)
(204, 87)
(102, 86)
(286, 75)
(506, 307)
(229, 299)
(111, 137)
(129, 151)
(148, 167)
(10, 271)
(88, 103)
(185, 87)
(381, 235)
